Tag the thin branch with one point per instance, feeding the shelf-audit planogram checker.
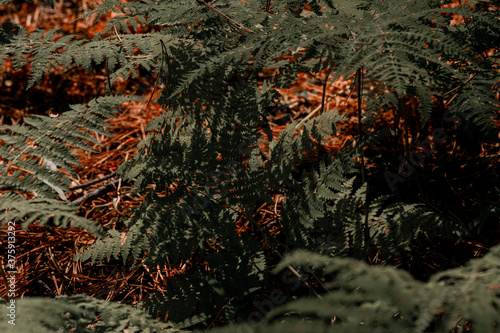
(108, 74)
(324, 91)
(138, 57)
(362, 155)
(116, 32)
(92, 182)
(309, 116)
(232, 23)
(459, 87)
(402, 110)
(96, 192)
(463, 84)
(268, 6)
(360, 130)
(159, 74)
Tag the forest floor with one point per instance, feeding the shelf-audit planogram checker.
(46, 263)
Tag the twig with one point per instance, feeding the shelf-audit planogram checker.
(92, 182)
(324, 91)
(294, 272)
(306, 118)
(459, 87)
(163, 52)
(138, 57)
(116, 32)
(268, 6)
(108, 73)
(96, 192)
(359, 74)
(309, 116)
(232, 23)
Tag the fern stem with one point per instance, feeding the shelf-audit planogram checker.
(325, 84)
(360, 131)
(268, 6)
(359, 77)
(159, 73)
(232, 23)
(108, 74)
(402, 110)
(294, 272)
(92, 182)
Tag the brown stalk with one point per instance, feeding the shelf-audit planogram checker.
(232, 23)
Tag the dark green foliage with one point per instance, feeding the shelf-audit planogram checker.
(79, 313)
(202, 169)
(359, 298)
(363, 298)
(41, 150)
(7, 32)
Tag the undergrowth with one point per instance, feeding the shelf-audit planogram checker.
(202, 168)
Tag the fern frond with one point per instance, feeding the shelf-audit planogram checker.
(46, 211)
(116, 245)
(43, 145)
(38, 156)
(80, 313)
(364, 298)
